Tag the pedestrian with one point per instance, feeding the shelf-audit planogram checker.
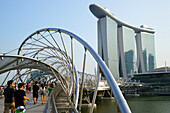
(50, 89)
(20, 98)
(24, 86)
(29, 87)
(35, 92)
(43, 93)
(16, 86)
(9, 98)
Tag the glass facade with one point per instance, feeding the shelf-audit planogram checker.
(107, 44)
(129, 50)
(112, 47)
(148, 51)
(121, 52)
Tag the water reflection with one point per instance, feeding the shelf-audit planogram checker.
(103, 106)
(159, 104)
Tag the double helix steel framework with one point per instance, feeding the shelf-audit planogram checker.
(57, 52)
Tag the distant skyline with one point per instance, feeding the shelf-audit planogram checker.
(19, 19)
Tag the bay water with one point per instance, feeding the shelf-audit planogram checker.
(157, 104)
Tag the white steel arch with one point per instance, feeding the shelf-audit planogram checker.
(46, 38)
(43, 47)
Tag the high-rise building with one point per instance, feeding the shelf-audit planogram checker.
(146, 52)
(126, 49)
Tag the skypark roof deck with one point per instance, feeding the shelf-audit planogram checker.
(100, 12)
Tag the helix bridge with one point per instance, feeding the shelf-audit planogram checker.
(57, 55)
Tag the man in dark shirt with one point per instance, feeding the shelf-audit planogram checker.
(35, 92)
(9, 98)
(20, 98)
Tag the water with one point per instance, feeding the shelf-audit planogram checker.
(159, 104)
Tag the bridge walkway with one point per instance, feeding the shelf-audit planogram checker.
(31, 108)
(62, 102)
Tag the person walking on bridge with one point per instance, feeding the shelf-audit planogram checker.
(9, 98)
(20, 98)
(43, 93)
(35, 92)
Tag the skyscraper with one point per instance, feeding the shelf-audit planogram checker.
(126, 49)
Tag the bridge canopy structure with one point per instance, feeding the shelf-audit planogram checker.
(59, 54)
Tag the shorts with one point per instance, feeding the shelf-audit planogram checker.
(35, 95)
(8, 106)
(42, 93)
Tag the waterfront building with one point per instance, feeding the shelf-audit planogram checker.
(158, 76)
(107, 30)
(126, 49)
(153, 78)
(146, 52)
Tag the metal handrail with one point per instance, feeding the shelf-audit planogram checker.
(48, 105)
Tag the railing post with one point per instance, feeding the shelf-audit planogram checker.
(73, 69)
(95, 93)
(82, 83)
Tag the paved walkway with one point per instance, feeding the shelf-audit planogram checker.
(31, 108)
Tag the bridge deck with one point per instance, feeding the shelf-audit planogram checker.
(31, 108)
(62, 101)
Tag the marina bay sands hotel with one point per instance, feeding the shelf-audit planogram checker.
(126, 49)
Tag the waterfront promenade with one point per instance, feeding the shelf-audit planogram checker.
(31, 108)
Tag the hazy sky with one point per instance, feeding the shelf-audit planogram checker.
(20, 18)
